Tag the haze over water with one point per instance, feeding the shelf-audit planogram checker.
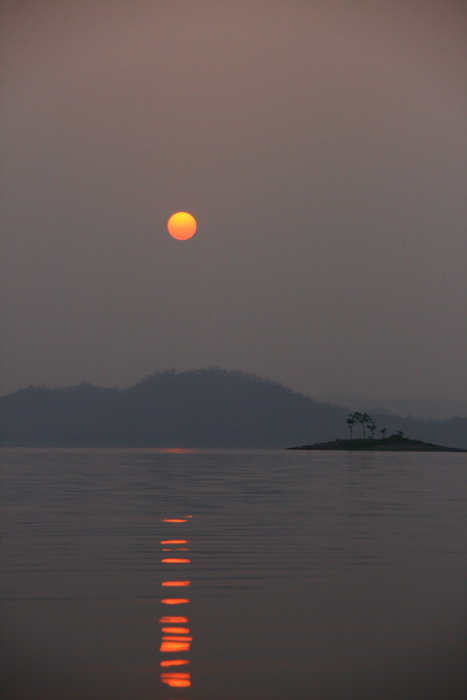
(329, 576)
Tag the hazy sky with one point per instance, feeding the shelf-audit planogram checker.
(321, 146)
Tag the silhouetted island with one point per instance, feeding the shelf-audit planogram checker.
(393, 443)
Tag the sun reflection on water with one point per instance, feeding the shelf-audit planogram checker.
(176, 680)
(173, 619)
(175, 560)
(176, 630)
(174, 541)
(176, 638)
(174, 662)
(175, 520)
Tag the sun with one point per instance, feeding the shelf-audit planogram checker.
(182, 225)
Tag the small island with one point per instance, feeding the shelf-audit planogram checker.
(398, 442)
(393, 443)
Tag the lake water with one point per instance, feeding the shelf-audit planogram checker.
(306, 575)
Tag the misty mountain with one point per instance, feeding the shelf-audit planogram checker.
(427, 409)
(196, 408)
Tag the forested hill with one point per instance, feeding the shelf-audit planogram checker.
(200, 408)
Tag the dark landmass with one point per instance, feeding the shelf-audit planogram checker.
(196, 408)
(393, 443)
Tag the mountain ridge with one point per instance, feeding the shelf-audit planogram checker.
(194, 408)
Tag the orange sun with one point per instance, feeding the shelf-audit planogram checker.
(181, 225)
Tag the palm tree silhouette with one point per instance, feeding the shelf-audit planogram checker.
(361, 418)
(364, 418)
(351, 422)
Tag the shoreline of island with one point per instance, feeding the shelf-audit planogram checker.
(394, 443)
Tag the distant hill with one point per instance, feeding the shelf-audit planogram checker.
(424, 409)
(196, 408)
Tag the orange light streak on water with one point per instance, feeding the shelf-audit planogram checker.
(175, 560)
(176, 450)
(176, 680)
(176, 630)
(176, 638)
(175, 662)
(173, 620)
(174, 541)
(174, 520)
(175, 601)
(175, 583)
(175, 646)
(177, 683)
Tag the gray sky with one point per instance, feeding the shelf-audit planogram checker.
(321, 146)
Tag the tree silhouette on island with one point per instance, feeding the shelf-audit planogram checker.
(363, 419)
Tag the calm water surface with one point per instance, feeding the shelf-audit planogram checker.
(298, 575)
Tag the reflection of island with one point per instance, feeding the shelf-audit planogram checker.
(175, 632)
(393, 443)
